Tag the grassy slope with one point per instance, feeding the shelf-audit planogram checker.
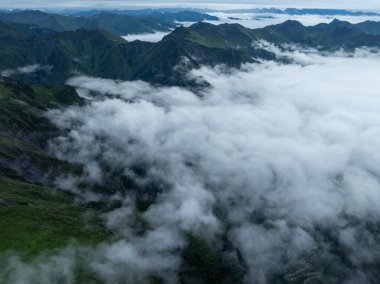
(23, 125)
(36, 218)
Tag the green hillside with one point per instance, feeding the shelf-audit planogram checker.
(34, 216)
(100, 53)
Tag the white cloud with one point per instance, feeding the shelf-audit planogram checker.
(277, 160)
(43, 269)
(151, 37)
(28, 69)
(294, 144)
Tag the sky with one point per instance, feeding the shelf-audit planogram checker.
(346, 4)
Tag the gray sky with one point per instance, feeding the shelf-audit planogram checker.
(221, 4)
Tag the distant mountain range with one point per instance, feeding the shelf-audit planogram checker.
(307, 11)
(117, 23)
(328, 12)
(270, 10)
(100, 53)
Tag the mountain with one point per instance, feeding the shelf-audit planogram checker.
(307, 11)
(328, 12)
(22, 107)
(125, 24)
(100, 53)
(200, 44)
(93, 52)
(182, 16)
(86, 13)
(137, 12)
(117, 23)
(49, 21)
(324, 37)
(257, 11)
(367, 27)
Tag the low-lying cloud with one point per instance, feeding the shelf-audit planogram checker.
(155, 36)
(151, 37)
(260, 20)
(275, 167)
(28, 69)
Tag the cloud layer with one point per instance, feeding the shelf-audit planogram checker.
(255, 20)
(275, 167)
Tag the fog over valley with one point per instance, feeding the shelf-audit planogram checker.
(260, 166)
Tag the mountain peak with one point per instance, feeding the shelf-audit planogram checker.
(289, 26)
(292, 24)
(339, 23)
(201, 26)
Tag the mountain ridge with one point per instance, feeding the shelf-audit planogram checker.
(99, 53)
(119, 24)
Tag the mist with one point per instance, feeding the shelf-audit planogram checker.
(274, 167)
(29, 69)
(261, 20)
(151, 37)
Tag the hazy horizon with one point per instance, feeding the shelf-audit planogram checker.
(219, 5)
